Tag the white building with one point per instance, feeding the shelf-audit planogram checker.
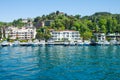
(113, 36)
(100, 36)
(65, 35)
(20, 33)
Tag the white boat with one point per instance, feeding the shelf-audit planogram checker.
(25, 44)
(100, 43)
(103, 43)
(106, 43)
(72, 43)
(16, 43)
(42, 42)
(50, 43)
(66, 43)
(80, 43)
(86, 43)
(113, 42)
(5, 43)
(35, 43)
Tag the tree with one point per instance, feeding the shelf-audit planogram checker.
(87, 35)
(77, 16)
(18, 23)
(102, 22)
(43, 33)
(96, 28)
(39, 36)
(103, 29)
(57, 12)
(118, 28)
(0, 33)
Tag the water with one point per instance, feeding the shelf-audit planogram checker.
(60, 63)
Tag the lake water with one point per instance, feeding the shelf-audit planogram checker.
(60, 63)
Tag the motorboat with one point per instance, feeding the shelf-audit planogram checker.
(15, 43)
(79, 43)
(50, 43)
(86, 43)
(5, 43)
(72, 43)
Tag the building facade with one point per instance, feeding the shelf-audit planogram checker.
(44, 23)
(100, 36)
(65, 35)
(113, 36)
(20, 33)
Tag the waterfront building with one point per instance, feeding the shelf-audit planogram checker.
(100, 36)
(113, 36)
(66, 35)
(20, 33)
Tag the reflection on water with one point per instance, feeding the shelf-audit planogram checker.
(60, 63)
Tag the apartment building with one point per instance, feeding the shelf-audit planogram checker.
(20, 33)
(65, 35)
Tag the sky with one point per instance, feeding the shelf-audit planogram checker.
(15, 9)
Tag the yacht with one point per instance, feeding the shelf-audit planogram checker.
(105, 43)
(42, 43)
(80, 43)
(5, 43)
(66, 43)
(35, 43)
(50, 43)
(72, 43)
(114, 42)
(15, 43)
(86, 43)
(29, 43)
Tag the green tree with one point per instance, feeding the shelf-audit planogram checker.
(39, 36)
(77, 16)
(18, 23)
(103, 29)
(87, 35)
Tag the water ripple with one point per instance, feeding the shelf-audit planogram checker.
(60, 63)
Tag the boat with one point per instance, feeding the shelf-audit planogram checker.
(72, 43)
(79, 43)
(25, 43)
(5, 43)
(86, 43)
(114, 42)
(15, 43)
(50, 43)
(104, 43)
(42, 43)
(93, 44)
(66, 43)
(35, 43)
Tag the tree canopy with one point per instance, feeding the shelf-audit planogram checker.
(99, 22)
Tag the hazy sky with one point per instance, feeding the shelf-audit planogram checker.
(14, 9)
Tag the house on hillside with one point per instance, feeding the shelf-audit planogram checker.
(43, 23)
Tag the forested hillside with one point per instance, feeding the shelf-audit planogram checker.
(86, 25)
